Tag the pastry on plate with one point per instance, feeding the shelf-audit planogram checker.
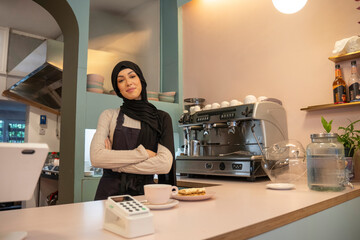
(192, 192)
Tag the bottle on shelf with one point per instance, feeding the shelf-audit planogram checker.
(354, 84)
(339, 86)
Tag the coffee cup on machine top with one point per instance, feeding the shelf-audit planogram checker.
(215, 105)
(250, 99)
(207, 107)
(224, 104)
(234, 102)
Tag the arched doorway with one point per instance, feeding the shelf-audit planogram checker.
(72, 17)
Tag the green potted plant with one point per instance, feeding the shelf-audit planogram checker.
(350, 138)
(326, 125)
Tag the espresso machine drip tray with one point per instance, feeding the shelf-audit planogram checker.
(235, 166)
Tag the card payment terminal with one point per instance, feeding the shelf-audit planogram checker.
(126, 216)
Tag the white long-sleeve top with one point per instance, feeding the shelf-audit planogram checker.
(130, 161)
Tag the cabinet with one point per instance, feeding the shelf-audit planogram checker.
(336, 59)
(88, 188)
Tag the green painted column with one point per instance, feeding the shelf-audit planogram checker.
(73, 19)
(169, 75)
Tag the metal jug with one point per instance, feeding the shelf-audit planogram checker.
(194, 148)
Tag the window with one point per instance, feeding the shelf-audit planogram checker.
(12, 131)
(1, 131)
(16, 132)
(12, 121)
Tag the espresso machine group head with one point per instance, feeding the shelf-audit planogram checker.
(229, 141)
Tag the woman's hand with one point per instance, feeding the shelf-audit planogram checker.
(151, 153)
(107, 144)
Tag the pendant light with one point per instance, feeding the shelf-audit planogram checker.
(289, 6)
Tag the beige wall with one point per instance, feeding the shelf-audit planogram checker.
(33, 127)
(233, 48)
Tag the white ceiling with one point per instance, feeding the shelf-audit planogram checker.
(27, 16)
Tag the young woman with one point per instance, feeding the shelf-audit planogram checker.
(133, 142)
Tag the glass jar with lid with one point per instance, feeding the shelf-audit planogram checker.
(325, 163)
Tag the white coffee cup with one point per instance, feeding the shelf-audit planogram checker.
(250, 99)
(192, 110)
(234, 102)
(207, 107)
(159, 193)
(197, 108)
(215, 105)
(224, 104)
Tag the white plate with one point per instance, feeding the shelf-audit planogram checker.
(208, 195)
(171, 203)
(280, 186)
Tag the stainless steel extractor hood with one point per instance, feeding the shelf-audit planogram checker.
(41, 73)
(42, 82)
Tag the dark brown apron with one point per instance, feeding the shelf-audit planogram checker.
(115, 183)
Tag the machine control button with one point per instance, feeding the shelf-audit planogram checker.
(222, 166)
(209, 165)
(227, 115)
(237, 166)
(203, 118)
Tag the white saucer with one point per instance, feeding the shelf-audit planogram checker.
(280, 186)
(171, 203)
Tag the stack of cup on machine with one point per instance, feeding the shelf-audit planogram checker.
(194, 105)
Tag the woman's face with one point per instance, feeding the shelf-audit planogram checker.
(129, 84)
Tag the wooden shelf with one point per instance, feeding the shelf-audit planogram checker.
(330, 106)
(344, 57)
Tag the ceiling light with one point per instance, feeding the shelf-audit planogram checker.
(289, 6)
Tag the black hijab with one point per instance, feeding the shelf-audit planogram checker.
(140, 110)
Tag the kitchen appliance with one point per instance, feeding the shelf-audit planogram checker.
(127, 217)
(41, 73)
(231, 139)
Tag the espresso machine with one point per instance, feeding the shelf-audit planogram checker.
(230, 141)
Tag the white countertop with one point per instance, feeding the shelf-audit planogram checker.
(243, 208)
